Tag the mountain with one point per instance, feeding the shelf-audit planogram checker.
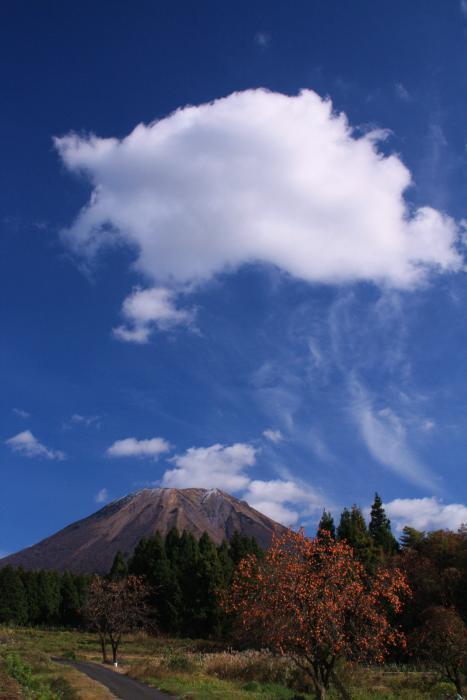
(90, 545)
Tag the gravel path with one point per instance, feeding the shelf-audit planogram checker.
(120, 685)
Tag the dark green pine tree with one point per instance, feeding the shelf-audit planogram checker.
(172, 547)
(411, 538)
(150, 560)
(326, 524)
(380, 529)
(187, 574)
(31, 586)
(49, 584)
(352, 528)
(69, 601)
(223, 552)
(119, 569)
(241, 546)
(13, 598)
(210, 580)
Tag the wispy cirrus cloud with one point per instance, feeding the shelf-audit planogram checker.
(274, 436)
(21, 413)
(102, 496)
(385, 437)
(26, 445)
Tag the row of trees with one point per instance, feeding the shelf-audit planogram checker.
(182, 574)
(46, 598)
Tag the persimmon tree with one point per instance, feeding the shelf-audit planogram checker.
(442, 640)
(313, 601)
(114, 607)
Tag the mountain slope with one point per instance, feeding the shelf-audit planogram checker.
(89, 545)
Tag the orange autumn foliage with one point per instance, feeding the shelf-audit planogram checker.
(313, 600)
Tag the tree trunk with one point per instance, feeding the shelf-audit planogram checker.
(104, 649)
(345, 695)
(114, 644)
(458, 684)
(320, 691)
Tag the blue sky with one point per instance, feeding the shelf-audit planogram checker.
(233, 256)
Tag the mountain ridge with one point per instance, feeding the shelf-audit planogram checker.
(89, 545)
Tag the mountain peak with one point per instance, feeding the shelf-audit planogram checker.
(90, 545)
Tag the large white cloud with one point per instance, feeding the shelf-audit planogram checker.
(256, 177)
(217, 466)
(131, 447)
(426, 513)
(225, 467)
(27, 445)
(282, 500)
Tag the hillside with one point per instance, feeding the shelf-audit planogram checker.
(89, 545)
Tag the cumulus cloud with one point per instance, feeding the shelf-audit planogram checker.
(279, 499)
(255, 177)
(217, 466)
(385, 437)
(131, 447)
(426, 513)
(101, 496)
(27, 445)
(274, 436)
(225, 467)
(146, 309)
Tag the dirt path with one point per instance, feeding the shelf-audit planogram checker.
(120, 685)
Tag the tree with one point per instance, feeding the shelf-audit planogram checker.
(150, 561)
(113, 608)
(241, 546)
(411, 538)
(119, 569)
(69, 600)
(13, 598)
(210, 581)
(326, 524)
(442, 640)
(313, 600)
(353, 530)
(380, 529)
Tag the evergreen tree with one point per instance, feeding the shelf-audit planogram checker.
(326, 524)
(119, 569)
(352, 528)
(172, 547)
(223, 553)
(49, 595)
(411, 538)
(210, 579)
(31, 586)
(188, 581)
(150, 560)
(13, 598)
(380, 529)
(241, 546)
(69, 601)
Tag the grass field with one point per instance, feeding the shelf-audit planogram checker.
(186, 669)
